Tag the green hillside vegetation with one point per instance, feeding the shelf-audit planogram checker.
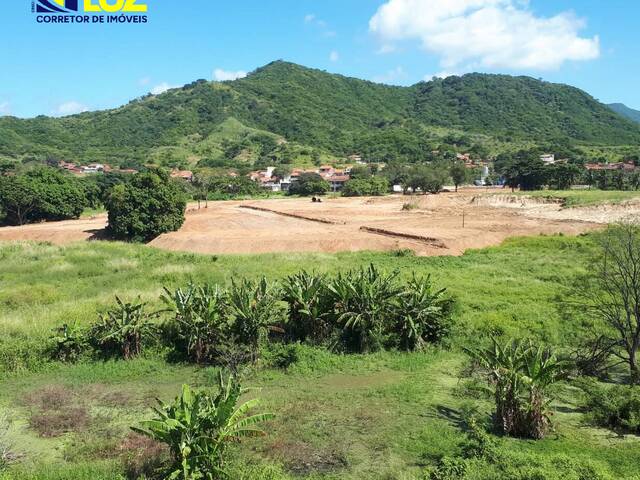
(625, 111)
(390, 414)
(320, 116)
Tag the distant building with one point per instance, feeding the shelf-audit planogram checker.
(186, 175)
(548, 158)
(337, 182)
(624, 166)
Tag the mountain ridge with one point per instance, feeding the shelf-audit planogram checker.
(628, 112)
(319, 110)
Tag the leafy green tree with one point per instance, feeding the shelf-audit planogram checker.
(149, 205)
(458, 173)
(199, 426)
(309, 184)
(371, 186)
(563, 175)
(41, 194)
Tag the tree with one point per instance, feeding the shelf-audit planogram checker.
(199, 426)
(371, 186)
(562, 175)
(147, 206)
(309, 184)
(41, 194)
(611, 292)
(458, 173)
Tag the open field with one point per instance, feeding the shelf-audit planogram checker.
(388, 415)
(445, 224)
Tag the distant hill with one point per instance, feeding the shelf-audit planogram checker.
(625, 111)
(283, 110)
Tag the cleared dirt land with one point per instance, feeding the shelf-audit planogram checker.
(429, 225)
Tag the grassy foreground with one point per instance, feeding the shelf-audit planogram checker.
(388, 415)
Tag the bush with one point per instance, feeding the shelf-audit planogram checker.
(362, 187)
(149, 205)
(616, 407)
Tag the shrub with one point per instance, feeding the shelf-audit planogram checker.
(616, 407)
(123, 330)
(198, 426)
(149, 205)
(68, 342)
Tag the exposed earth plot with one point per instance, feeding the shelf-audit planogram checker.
(428, 225)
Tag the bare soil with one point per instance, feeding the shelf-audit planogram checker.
(431, 225)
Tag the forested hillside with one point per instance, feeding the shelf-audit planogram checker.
(625, 111)
(283, 110)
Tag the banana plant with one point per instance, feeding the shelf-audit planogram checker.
(123, 329)
(307, 295)
(254, 310)
(198, 427)
(423, 314)
(363, 302)
(521, 374)
(199, 321)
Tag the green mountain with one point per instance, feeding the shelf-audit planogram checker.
(283, 110)
(625, 111)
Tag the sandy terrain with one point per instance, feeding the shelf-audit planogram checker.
(433, 227)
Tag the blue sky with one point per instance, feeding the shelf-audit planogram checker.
(62, 69)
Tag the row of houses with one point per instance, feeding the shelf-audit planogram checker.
(619, 166)
(92, 168)
(266, 178)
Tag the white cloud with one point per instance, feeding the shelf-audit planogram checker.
(70, 108)
(144, 81)
(223, 75)
(443, 74)
(485, 33)
(392, 76)
(5, 109)
(310, 17)
(334, 56)
(386, 48)
(161, 88)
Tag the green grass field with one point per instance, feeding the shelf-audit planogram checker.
(382, 416)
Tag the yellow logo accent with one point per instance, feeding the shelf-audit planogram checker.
(111, 6)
